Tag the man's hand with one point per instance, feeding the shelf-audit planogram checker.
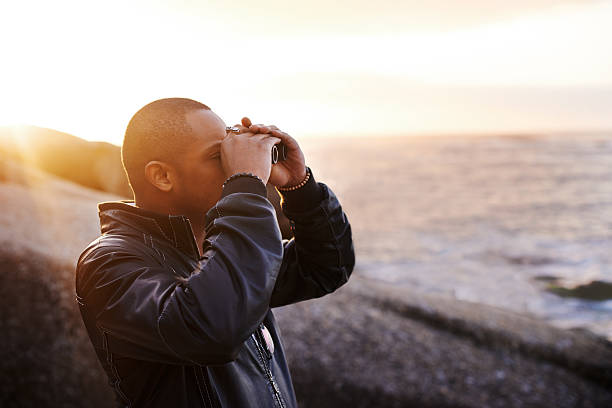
(248, 152)
(288, 172)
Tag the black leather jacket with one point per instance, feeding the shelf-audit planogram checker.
(176, 329)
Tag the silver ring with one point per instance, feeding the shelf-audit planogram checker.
(232, 129)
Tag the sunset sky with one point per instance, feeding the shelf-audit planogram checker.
(312, 68)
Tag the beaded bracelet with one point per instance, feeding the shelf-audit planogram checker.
(241, 174)
(301, 184)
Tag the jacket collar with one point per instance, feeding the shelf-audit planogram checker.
(116, 216)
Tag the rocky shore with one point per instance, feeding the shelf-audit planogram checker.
(373, 345)
(367, 345)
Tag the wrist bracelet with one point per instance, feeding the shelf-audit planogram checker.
(241, 174)
(301, 184)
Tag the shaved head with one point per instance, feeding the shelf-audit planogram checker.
(158, 131)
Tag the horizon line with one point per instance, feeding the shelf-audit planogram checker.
(361, 135)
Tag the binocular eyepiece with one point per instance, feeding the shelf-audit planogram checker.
(279, 151)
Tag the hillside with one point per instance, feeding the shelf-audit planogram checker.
(96, 165)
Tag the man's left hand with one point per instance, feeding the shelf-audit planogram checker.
(284, 173)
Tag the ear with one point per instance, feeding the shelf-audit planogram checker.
(160, 175)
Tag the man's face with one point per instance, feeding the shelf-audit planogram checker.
(200, 170)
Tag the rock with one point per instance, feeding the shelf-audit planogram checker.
(596, 290)
(46, 357)
(96, 165)
(366, 345)
(374, 345)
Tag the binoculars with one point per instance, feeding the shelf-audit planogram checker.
(279, 151)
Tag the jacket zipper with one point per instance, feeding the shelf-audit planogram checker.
(262, 355)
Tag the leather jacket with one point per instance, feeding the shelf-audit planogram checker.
(172, 328)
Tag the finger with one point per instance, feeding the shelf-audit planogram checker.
(246, 122)
(287, 139)
(264, 129)
(278, 133)
(255, 128)
(259, 128)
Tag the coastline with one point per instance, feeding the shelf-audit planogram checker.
(369, 344)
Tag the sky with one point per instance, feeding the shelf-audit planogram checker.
(322, 68)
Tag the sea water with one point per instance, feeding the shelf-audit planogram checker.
(488, 219)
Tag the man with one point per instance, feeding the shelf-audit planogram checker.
(176, 294)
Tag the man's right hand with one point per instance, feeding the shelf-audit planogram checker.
(248, 152)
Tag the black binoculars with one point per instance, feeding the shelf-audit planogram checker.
(279, 151)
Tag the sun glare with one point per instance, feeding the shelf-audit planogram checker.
(86, 71)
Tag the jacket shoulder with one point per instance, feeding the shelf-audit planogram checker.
(107, 243)
(103, 249)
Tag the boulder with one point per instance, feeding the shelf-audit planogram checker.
(96, 165)
(371, 344)
(366, 345)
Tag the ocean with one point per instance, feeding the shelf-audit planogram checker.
(487, 219)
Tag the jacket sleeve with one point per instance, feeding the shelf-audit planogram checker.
(203, 319)
(320, 257)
